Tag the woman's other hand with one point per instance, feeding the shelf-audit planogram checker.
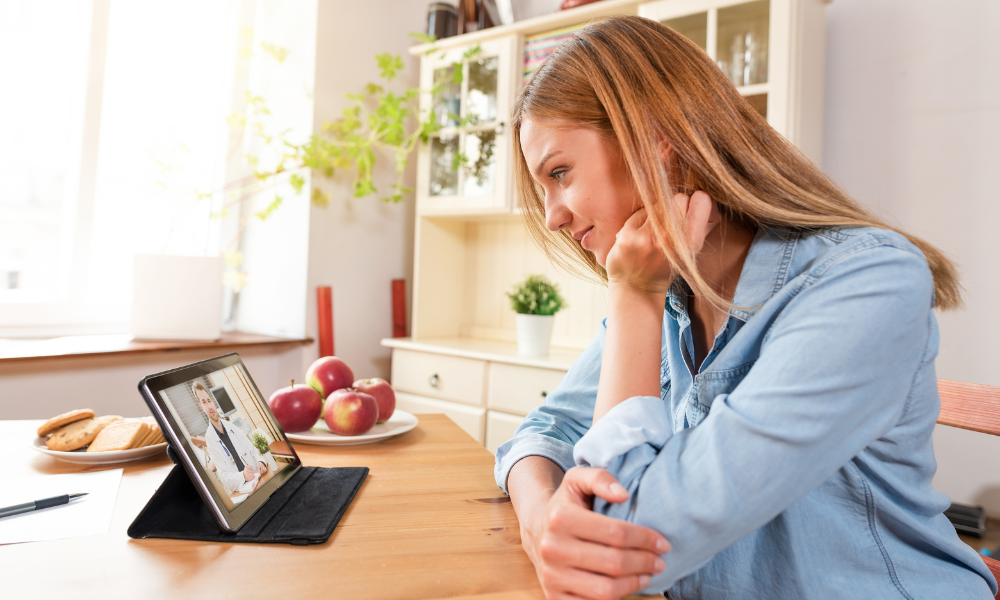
(636, 261)
(578, 553)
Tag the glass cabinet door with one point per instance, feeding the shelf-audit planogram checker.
(735, 35)
(463, 161)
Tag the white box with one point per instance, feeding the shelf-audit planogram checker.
(177, 298)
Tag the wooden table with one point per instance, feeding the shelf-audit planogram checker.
(428, 522)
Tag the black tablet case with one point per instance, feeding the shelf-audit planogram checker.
(303, 511)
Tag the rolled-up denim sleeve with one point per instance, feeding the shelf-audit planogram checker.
(624, 442)
(833, 375)
(551, 430)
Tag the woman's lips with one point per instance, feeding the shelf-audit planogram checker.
(585, 240)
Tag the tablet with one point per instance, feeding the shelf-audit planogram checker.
(224, 435)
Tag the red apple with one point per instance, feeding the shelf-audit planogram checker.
(350, 412)
(382, 392)
(329, 374)
(297, 408)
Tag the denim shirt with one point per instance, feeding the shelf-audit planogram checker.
(796, 462)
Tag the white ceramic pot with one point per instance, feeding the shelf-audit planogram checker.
(272, 465)
(534, 334)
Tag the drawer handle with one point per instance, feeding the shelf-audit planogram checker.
(544, 394)
(434, 381)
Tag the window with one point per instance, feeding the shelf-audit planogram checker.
(113, 127)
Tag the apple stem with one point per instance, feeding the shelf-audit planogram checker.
(293, 383)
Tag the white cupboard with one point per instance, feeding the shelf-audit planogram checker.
(470, 245)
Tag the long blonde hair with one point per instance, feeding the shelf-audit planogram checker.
(639, 82)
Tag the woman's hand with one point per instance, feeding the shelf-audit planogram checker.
(637, 262)
(578, 553)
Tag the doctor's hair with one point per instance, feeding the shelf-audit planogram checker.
(201, 386)
(640, 83)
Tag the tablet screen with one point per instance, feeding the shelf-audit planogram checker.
(231, 442)
(229, 431)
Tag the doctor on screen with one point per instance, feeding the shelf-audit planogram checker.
(238, 462)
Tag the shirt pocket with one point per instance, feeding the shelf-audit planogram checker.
(710, 385)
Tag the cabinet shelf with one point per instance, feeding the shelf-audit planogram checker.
(753, 90)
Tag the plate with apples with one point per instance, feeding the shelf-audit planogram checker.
(335, 410)
(400, 422)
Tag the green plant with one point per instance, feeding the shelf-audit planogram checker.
(259, 442)
(379, 121)
(536, 295)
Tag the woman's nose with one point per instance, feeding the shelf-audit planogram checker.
(557, 216)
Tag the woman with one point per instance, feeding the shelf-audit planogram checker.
(754, 418)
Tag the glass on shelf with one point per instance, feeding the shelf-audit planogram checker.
(444, 171)
(742, 42)
(759, 103)
(693, 27)
(479, 169)
(482, 99)
(447, 100)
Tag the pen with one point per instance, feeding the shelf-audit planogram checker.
(38, 504)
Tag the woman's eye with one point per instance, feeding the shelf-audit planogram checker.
(557, 175)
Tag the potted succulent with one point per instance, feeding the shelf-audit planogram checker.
(536, 300)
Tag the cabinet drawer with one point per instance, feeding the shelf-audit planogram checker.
(439, 376)
(500, 427)
(515, 389)
(470, 419)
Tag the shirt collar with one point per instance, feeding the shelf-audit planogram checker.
(765, 270)
(677, 297)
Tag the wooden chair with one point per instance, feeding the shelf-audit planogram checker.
(974, 407)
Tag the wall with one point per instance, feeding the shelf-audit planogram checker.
(912, 128)
(358, 245)
(42, 389)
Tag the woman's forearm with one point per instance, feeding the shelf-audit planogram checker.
(531, 482)
(630, 365)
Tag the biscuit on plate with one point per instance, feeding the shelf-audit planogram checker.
(119, 436)
(155, 436)
(72, 436)
(145, 439)
(78, 433)
(64, 419)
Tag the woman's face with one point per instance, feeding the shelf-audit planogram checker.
(587, 188)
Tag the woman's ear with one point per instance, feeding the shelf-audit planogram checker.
(678, 177)
(666, 152)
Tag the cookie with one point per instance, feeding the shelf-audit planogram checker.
(70, 437)
(102, 422)
(119, 436)
(64, 419)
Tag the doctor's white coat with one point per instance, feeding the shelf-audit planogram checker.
(231, 478)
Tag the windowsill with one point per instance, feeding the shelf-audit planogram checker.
(14, 350)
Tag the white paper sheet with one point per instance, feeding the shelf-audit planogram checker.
(90, 515)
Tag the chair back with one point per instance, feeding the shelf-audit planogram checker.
(975, 407)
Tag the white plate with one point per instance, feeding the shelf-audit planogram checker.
(400, 422)
(99, 458)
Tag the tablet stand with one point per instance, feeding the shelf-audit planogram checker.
(303, 511)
